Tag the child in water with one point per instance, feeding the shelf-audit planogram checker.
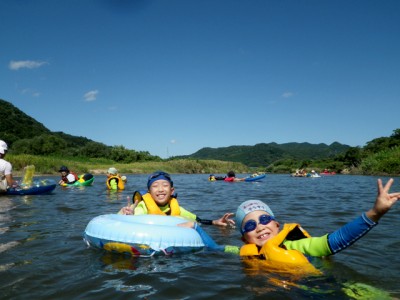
(114, 181)
(67, 176)
(265, 238)
(231, 177)
(160, 199)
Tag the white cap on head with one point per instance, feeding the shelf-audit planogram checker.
(247, 207)
(112, 171)
(3, 147)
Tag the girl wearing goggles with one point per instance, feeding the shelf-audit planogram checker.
(291, 244)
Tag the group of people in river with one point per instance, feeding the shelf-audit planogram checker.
(114, 180)
(305, 173)
(230, 177)
(263, 235)
(313, 173)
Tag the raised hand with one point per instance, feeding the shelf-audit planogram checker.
(129, 209)
(225, 220)
(384, 201)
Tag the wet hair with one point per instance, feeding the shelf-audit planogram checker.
(231, 174)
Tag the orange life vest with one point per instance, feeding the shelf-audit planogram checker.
(120, 182)
(152, 206)
(273, 251)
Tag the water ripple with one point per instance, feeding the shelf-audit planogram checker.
(43, 256)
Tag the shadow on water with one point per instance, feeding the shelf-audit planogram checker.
(43, 256)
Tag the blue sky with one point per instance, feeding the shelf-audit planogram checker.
(171, 77)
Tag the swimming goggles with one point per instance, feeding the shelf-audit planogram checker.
(250, 225)
(158, 174)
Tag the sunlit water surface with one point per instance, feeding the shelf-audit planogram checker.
(43, 256)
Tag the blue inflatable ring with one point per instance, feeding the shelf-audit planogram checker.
(141, 235)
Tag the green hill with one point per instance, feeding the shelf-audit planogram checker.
(25, 135)
(265, 154)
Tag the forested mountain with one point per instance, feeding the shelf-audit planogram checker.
(265, 154)
(25, 135)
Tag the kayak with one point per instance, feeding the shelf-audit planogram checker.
(327, 173)
(34, 190)
(255, 178)
(215, 178)
(84, 180)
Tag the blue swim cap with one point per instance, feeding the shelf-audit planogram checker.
(247, 207)
(158, 175)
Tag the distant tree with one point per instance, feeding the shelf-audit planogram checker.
(123, 155)
(49, 144)
(377, 145)
(44, 144)
(305, 163)
(9, 138)
(396, 134)
(146, 156)
(353, 157)
(95, 149)
(22, 146)
(394, 139)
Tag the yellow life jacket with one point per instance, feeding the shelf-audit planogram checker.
(153, 208)
(120, 182)
(273, 252)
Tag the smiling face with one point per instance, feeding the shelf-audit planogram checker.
(262, 233)
(161, 191)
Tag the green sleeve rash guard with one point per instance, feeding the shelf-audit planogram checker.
(314, 246)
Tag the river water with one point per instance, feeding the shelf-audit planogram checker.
(43, 256)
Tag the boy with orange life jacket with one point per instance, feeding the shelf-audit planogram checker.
(160, 199)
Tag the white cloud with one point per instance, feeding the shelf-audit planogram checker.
(30, 92)
(91, 95)
(25, 64)
(173, 141)
(287, 94)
